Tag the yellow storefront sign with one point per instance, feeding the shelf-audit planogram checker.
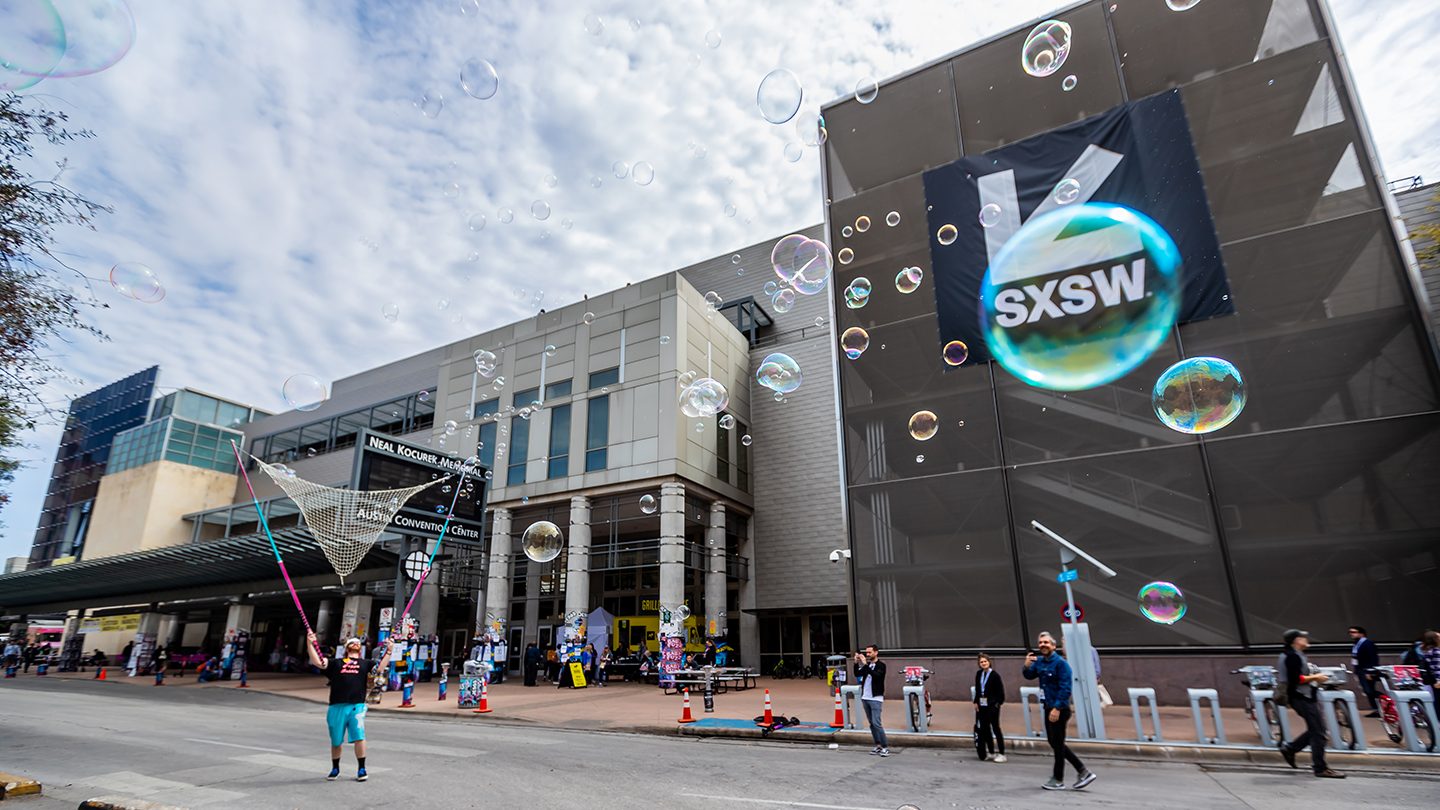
(130, 622)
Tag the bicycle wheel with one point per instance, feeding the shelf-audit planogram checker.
(1423, 729)
(914, 715)
(1272, 715)
(1342, 720)
(1250, 713)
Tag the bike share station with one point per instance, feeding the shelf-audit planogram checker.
(1408, 706)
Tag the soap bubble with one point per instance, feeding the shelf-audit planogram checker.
(643, 173)
(847, 232)
(505, 215)
(908, 280)
(866, 90)
(846, 255)
(1199, 395)
(990, 215)
(450, 427)
(1069, 82)
(704, 397)
(783, 301)
(476, 222)
(1128, 307)
(727, 421)
(892, 219)
(486, 363)
(779, 372)
(1181, 5)
(664, 340)
(542, 541)
(478, 79)
(430, 104)
(135, 280)
(648, 505)
(793, 152)
(855, 341)
(593, 26)
(1162, 602)
(390, 312)
(32, 43)
(854, 300)
(1067, 191)
(802, 262)
(304, 392)
(424, 396)
(862, 223)
(588, 318)
(924, 425)
(861, 286)
(699, 427)
(956, 353)
(621, 169)
(712, 38)
(683, 612)
(1046, 48)
(947, 234)
(770, 288)
(97, 34)
(713, 300)
(810, 127)
(730, 210)
(550, 181)
(779, 96)
(595, 181)
(746, 440)
(550, 350)
(540, 210)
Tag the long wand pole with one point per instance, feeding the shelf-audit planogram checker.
(264, 524)
(454, 499)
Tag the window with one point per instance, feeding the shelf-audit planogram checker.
(487, 431)
(597, 433)
(559, 464)
(742, 458)
(722, 453)
(557, 390)
(520, 439)
(600, 379)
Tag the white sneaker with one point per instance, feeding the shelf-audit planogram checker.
(998, 758)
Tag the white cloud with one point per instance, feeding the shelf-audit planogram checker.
(249, 149)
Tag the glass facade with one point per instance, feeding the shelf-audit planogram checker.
(198, 407)
(175, 439)
(520, 437)
(396, 417)
(597, 433)
(1311, 510)
(90, 429)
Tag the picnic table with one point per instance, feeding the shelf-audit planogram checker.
(721, 679)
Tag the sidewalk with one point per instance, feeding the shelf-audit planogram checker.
(642, 708)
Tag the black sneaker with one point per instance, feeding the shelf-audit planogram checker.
(1288, 755)
(334, 774)
(361, 775)
(1085, 778)
(1329, 774)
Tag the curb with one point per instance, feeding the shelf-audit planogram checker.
(12, 785)
(123, 803)
(1192, 753)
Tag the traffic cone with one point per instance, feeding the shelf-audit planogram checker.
(484, 707)
(100, 673)
(839, 721)
(685, 716)
(769, 713)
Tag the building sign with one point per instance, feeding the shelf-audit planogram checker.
(385, 462)
(1022, 266)
(128, 623)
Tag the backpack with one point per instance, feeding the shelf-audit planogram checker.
(1282, 684)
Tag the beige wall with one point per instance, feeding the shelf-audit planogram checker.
(142, 507)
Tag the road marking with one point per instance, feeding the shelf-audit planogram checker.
(167, 791)
(235, 745)
(381, 746)
(779, 802)
(311, 765)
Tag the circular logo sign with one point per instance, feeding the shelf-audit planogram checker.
(1080, 296)
(415, 564)
(1068, 612)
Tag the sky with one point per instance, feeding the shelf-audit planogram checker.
(270, 163)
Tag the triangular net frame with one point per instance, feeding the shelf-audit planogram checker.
(345, 522)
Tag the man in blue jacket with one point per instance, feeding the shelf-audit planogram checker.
(1364, 657)
(1053, 671)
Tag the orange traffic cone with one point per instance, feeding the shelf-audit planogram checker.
(484, 707)
(685, 716)
(769, 713)
(101, 676)
(839, 721)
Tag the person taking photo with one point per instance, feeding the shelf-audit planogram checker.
(1053, 672)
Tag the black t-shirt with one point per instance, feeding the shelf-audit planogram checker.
(349, 679)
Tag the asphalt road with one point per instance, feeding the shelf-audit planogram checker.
(226, 748)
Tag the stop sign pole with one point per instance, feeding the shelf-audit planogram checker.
(1081, 652)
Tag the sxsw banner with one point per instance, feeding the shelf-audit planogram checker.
(1069, 277)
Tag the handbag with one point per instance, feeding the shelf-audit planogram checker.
(1105, 699)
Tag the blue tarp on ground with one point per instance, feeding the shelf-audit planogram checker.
(726, 722)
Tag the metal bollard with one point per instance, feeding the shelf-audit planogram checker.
(1027, 692)
(915, 707)
(1136, 695)
(1328, 699)
(847, 694)
(1197, 695)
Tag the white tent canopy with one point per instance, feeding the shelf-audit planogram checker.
(597, 628)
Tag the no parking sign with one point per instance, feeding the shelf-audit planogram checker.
(1068, 612)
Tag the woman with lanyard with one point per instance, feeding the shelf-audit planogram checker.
(989, 696)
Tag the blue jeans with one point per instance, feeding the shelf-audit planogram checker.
(872, 717)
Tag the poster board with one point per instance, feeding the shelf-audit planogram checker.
(672, 657)
(577, 675)
(470, 686)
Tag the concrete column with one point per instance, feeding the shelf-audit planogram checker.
(145, 636)
(427, 604)
(497, 589)
(715, 613)
(355, 618)
(169, 628)
(749, 622)
(239, 617)
(672, 553)
(577, 565)
(533, 620)
(325, 621)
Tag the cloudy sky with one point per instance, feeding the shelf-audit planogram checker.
(269, 162)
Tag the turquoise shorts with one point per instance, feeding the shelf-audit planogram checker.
(346, 719)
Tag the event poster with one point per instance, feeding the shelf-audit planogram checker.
(470, 686)
(672, 658)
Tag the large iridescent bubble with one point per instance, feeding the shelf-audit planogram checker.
(1162, 602)
(542, 541)
(1080, 311)
(801, 262)
(1046, 48)
(704, 397)
(855, 341)
(779, 96)
(783, 300)
(304, 392)
(779, 372)
(32, 42)
(1199, 395)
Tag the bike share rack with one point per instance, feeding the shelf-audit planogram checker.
(914, 697)
(1197, 695)
(1262, 720)
(1402, 700)
(1136, 695)
(1328, 699)
(847, 694)
(1027, 692)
